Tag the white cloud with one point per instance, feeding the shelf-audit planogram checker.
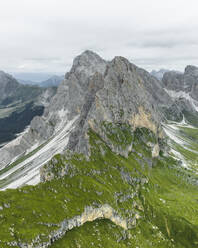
(45, 35)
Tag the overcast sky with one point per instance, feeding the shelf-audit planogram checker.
(45, 35)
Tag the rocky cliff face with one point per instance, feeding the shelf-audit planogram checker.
(90, 214)
(122, 94)
(100, 152)
(186, 82)
(95, 93)
(183, 89)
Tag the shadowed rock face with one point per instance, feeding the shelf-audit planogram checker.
(130, 95)
(183, 89)
(98, 91)
(186, 82)
(17, 121)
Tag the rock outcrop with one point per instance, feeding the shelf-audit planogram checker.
(89, 214)
(129, 95)
(95, 92)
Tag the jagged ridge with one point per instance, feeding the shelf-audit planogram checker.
(94, 92)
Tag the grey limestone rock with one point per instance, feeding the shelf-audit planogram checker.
(183, 89)
(186, 82)
(97, 91)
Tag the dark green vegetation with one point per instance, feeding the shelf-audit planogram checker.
(119, 135)
(103, 233)
(17, 107)
(18, 120)
(158, 192)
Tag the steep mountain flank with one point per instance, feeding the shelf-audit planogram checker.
(108, 167)
(18, 105)
(11, 91)
(137, 201)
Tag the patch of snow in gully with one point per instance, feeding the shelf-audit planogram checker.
(182, 94)
(170, 132)
(27, 172)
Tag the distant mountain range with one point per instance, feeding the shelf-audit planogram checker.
(32, 76)
(45, 80)
(53, 81)
(12, 91)
(159, 74)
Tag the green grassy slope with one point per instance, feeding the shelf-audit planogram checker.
(162, 194)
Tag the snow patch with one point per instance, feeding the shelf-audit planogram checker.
(177, 155)
(25, 131)
(17, 141)
(182, 94)
(27, 172)
(172, 135)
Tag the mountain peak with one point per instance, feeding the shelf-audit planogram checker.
(88, 62)
(87, 57)
(191, 69)
(90, 53)
(120, 59)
